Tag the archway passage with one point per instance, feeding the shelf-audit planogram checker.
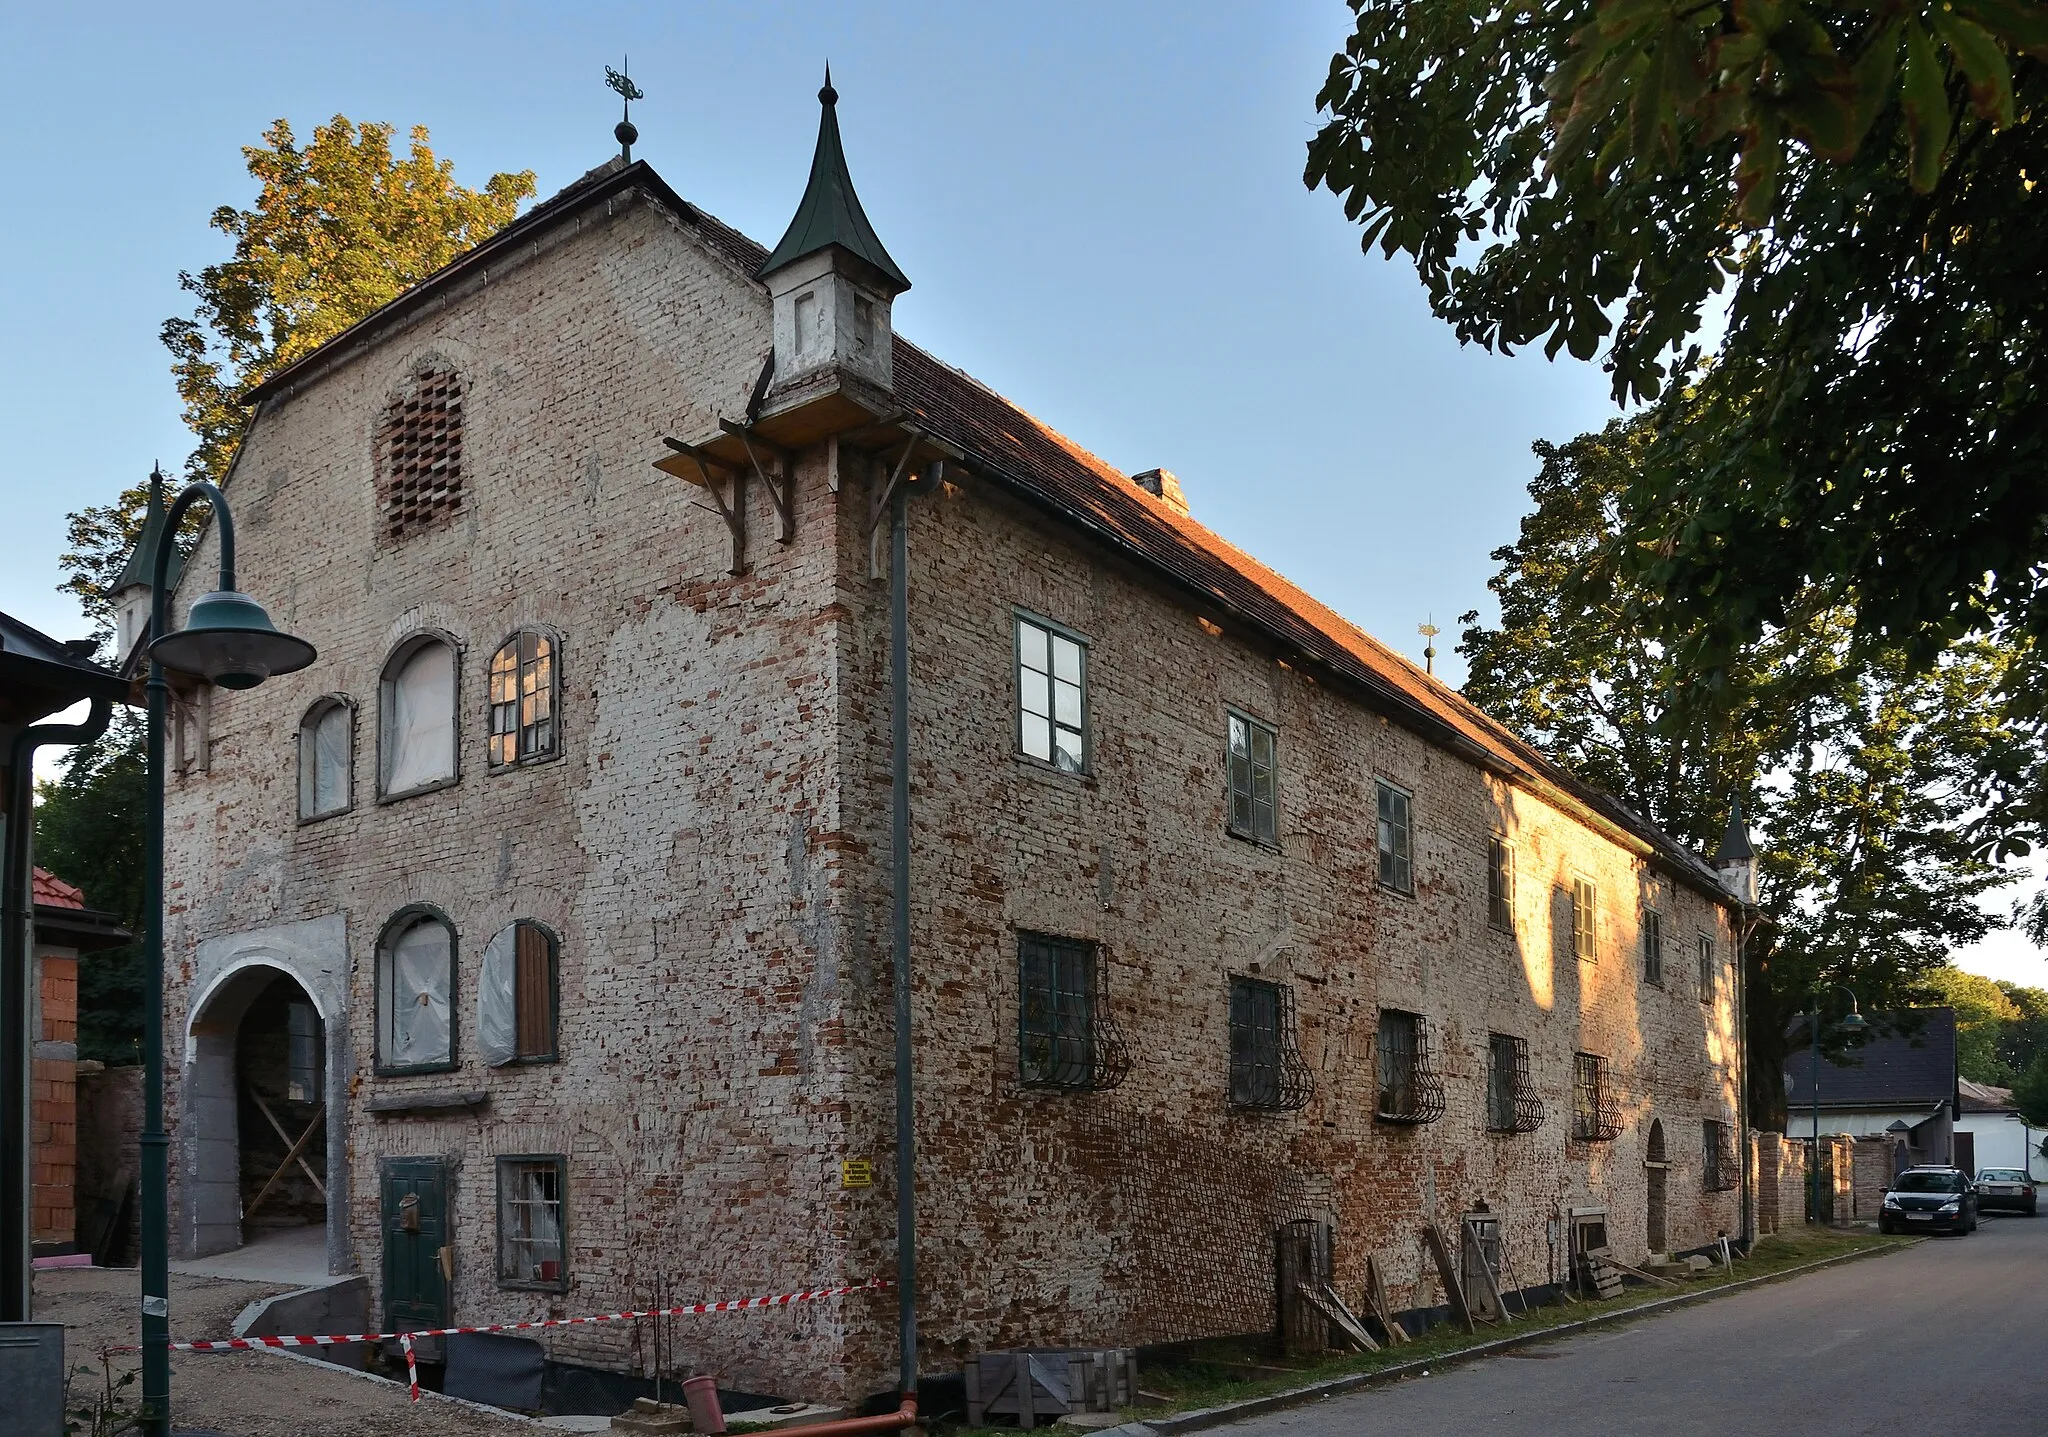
(280, 1115)
(1658, 1170)
(256, 1165)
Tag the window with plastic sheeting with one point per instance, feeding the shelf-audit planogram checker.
(417, 735)
(415, 988)
(1052, 695)
(515, 997)
(1254, 806)
(523, 692)
(532, 1250)
(326, 753)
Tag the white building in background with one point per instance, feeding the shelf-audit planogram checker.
(2000, 1136)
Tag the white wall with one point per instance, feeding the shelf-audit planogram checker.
(2003, 1141)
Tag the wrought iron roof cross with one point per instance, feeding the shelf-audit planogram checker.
(621, 81)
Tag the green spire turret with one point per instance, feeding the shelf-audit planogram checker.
(830, 213)
(141, 565)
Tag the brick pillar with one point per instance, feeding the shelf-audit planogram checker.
(53, 1108)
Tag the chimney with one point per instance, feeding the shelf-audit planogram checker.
(1163, 486)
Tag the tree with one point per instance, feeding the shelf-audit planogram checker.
(1982, 1010)
(1868, 769)
(1852, 187)
(89, 833)
(339, 228)
(2030, 1094)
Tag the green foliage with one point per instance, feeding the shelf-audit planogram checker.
(2030, 1094)
(1982, 1011)
(1870, 768)
(1853, 188)
(89, 833)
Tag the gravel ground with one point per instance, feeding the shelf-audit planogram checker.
(238, 1394)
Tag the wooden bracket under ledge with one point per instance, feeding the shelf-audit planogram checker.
(726, 485)
(779, 482)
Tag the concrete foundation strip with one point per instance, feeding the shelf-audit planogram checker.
(406, 1339)
(1351, 1382)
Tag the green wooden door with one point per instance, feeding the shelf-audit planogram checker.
(415, 1210)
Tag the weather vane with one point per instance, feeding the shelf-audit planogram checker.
(622, 82)
(1429, 632)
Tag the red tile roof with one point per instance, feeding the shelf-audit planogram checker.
(53, 892)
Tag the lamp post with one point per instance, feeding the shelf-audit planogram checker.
(227, 640)
(1735, 862)
(1852, 1023)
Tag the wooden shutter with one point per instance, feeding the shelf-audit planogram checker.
(534, 992)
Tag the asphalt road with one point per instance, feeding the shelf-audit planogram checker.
(1947, 1336)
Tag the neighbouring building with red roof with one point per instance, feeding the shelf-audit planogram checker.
(536, 942)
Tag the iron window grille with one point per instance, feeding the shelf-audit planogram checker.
(1254, 786)
(1594, 1117)
(1717, 1152)
(1409, 1090)
(1511, 1102)
(1396, 812)
(1653, 947)
(1052, 695)
(533, 1251)
(1500, 884)
(1707, 969)
(1266, 1068)
(419, 454)
(1585, 920)
(1066, 1037)
(523, 693)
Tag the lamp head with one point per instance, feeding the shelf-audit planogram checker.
(1852, 1022)
(230, 641)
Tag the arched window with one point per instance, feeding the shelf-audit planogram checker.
(326, 758)
(523, 700)
(415, 988)
(515, 997)
(417, 735)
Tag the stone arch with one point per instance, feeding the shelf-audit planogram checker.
(240, 1027)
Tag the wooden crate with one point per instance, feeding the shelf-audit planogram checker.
(1046, 1383)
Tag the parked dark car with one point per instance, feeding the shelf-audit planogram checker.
(2005, 1189)
(1929, 1200)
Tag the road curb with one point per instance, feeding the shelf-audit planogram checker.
(1352, 1382)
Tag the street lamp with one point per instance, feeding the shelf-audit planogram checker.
(1852, 1022)
(228, 640)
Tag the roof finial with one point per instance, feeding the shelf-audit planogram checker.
(622, 82)
(828, 95)
(1429, 631)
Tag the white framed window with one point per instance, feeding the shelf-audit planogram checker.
(326, 758)
(1397, 838)
(1585, 920)
(1253, 779)
(1052, 694)
(416, 749)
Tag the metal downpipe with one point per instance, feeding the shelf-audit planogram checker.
(899, 855)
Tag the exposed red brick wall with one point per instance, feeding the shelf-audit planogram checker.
(53, 1116)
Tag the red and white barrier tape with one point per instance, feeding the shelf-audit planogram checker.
(406, 1339)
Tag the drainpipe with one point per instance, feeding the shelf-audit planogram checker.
(17, 1043)
(899, 861)
(1743, 928)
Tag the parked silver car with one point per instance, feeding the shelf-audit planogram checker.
(2005, 1190)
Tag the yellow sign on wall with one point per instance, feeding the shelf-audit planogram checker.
(856, 1173)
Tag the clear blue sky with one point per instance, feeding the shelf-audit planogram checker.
(1100, 205)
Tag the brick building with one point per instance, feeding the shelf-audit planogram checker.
(556, 898)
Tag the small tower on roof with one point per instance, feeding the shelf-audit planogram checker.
(833, 284)
(130, 591)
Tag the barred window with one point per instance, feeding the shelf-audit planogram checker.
(1052, 695)
(419, 454)
(1266, 1070)
(1593, 1115)
(1409, 1091)
(1500, 883)
(1065, 1037)
(523, 700)
(1585, 902)
(531, 1247)
(1717, 1156)
(1653, 947)
(1397, 869)
(1707, 968)
(515, 996)
(1511, 1102)
(1253, 807)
